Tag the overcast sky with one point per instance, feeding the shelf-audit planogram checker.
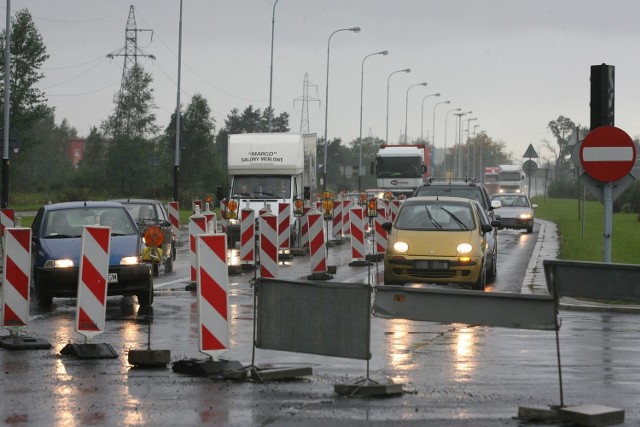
(516, 64)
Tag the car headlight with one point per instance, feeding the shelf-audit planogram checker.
(58, 263)
(401, 247)
(129, 260)
(525, 216)
(464, 248)
(233, 221)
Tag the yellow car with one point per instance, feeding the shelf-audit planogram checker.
(439, 240)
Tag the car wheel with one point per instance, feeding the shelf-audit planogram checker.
(146, 298)
(482, 280)
(168, 265)
(43, 296)
(493, 273)
(155, 268)
(530, 229)
(173, 250)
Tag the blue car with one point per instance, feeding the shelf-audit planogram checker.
(56, 245)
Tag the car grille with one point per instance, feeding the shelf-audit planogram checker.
(434, 274)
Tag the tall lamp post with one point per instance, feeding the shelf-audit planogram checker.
(384, 52)
(273, 24)
(326, 107)
(406, 109)
(445, 138)
(468, 146)
(433, 135)
(406, 70)
(422, 115)
(475, 169)
(457, 164)
(176, 165)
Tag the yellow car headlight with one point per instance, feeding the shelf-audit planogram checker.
(464, 248)
(58, 263)
(525, 216)
(401, 247)
(129, 260)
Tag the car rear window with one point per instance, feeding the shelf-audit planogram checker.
(467, 192)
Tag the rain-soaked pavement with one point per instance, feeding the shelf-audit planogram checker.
(452, 374)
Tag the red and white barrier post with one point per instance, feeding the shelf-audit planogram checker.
(269, 245)
(318, 250)
(304, 229)
(381, 236)
(174, 219)
(197, 226)
(212, 224)
(284, 230)
(336, 226)
(213, 301)
(358, 250)
(7, 219)
(92, 281)
(247, 236)
(395, 208)
(346, 217)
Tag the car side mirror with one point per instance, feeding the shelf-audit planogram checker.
(534, 206)
(387, 226)
(496, 223)
(495, 204)
(486, 228)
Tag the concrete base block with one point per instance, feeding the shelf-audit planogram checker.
(319, 276)
(285, 257)
(149, 358)
(191, 287)
(537, 414)
(330, 243)
(360, 263)
(206, 367)
(247, 267)
(338, 241)
(592, 415)
(234, 270)
(332, 269)
(368, 389)
(374, 257)
(89, 351)
(299, 252)
(14, 342)
(280, 373)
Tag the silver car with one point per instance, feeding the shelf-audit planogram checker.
(515, 212)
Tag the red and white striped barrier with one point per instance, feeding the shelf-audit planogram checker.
(16, 278)
(223, 216)
(174, 219)
(386, 204)
(213, 300)
(358, 251)
(196, 203)
(395, 208)
(197, 226)
(92, 281)
(247, 235)
(284, 226)
(317, 247)
(346, 216)
(7, 219)
(381, 236)
(212, 224)
(336, 225)
(269, 245)
(263, 210)
(304, 227)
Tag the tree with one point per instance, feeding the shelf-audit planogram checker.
(28, 54)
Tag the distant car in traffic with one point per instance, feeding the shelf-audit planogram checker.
(152, 213)
(439, 240)
(56, 246)
(516, 211)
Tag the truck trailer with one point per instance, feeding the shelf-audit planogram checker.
(510, 178)
(268, 168)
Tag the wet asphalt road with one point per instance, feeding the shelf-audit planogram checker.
(453, 374)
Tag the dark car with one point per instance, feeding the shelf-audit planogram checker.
(152, 213)
(468, 189)
(56, 246)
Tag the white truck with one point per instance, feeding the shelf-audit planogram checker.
(270, 168)
(510, 178)
(401, 168)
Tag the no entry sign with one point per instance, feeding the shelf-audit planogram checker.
(607, 153)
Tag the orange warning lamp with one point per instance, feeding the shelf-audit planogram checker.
(363, 199)
(232, 207)
(387, 195)
(153, 236)
(298, 207)
(372, 207)
(327, 208)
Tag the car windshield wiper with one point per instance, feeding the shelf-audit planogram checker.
(59, 236)
(456, 219)
(432, 219)
(266, 194)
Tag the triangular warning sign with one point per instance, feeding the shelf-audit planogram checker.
(530, 153)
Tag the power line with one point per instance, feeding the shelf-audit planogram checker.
(304, 117)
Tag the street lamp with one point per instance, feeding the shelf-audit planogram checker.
(475, 169)
(445, 138)
(457, 165)
(433, 135)
(176, 163)
(326, 107)
(406, 109)
(422, 114)
(406, 70)
(468, 146)
(273, 22)
(384, 52)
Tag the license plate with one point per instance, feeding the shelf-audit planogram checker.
(432, 265)
(112, 278)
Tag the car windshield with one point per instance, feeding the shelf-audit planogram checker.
(514, 201)
(262, 187)
(435, 215)
(140, 211)
(466, 192)
(70, 222)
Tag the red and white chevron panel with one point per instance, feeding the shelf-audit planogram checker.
(356, 216)
(92, 281)
(395, 208)
(284, 225)
(7, 219)
(269, 245)
(16, 277)
(386, 204)
(346, 212)
(196, 204)
(304, 227)
(336, 225)
(317, 247)
(212, 223)
(247, 236)
(380, 234)
(223, 216)
(213, 300)
(174, 219)
(197, 226)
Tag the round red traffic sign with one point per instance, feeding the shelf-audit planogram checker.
(607, 153)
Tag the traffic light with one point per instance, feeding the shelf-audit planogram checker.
(602, 95)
